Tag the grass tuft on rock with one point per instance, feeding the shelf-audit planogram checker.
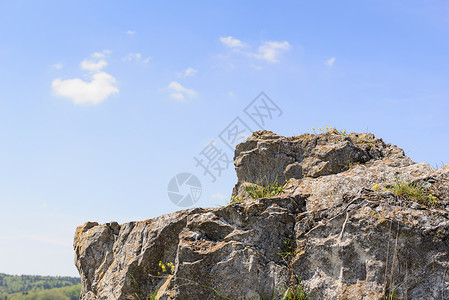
(296, 293)
(414, 192)
(264, 189)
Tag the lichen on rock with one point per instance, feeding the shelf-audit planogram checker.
(345, 239)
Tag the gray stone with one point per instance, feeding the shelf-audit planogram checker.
(351, 236)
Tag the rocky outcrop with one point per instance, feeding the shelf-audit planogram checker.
(336, 228)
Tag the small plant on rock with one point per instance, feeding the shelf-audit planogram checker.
(342, 132)
(168, 268)
(328, 129)
(264, 189)
(137, 293)
(235, 199)
(296, 292)
(288, 250)
(391, 295)
(415, 192)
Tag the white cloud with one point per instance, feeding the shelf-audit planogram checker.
(219, 196)
(130, 32)
(98, 55)
(97, 62)
(101, 54)
(137, 57)
(132, 56)
(92, 65)
(270, 50)
(177, 96)
(93, 91)
(58, 66)
(179, 92)
(231, 42)
(187, 72)
(330, 62)
(101, 86)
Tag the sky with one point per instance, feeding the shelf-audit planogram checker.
(107, 105)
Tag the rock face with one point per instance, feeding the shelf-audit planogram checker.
(336, 229)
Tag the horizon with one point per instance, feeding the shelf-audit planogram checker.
(103, 104)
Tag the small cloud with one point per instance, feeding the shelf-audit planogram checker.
(92, 65)
(178, 92)
(130, 32)
(187, 73)
(58, 66)
(137, 57)
(101, 86)
(98, 55)
(231, 42)
(330, 62)
(219, 196)
(231, 94)
(97, 62)
(101, 54)
(270, 50)
(44, 205)
(177, 96)
(132, 56)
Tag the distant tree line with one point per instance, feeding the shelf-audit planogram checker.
(64, 293)
(10, 284)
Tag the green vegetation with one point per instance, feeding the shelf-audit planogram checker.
(39, 287)
(296, 293)
(235, 199)
(264, 189)
(288, 251)
(329, 129)
(390, 295)
(414, 192)
(64, 293)
(353, 164)
(137, 292)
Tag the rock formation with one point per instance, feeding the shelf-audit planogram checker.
(336, 219)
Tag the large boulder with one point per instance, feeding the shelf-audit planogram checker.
(335, 229)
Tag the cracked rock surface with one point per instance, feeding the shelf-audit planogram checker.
(328, 229)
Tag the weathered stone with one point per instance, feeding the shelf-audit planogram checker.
(266, 156)
(348, 240)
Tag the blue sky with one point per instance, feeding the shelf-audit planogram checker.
(103, 102)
